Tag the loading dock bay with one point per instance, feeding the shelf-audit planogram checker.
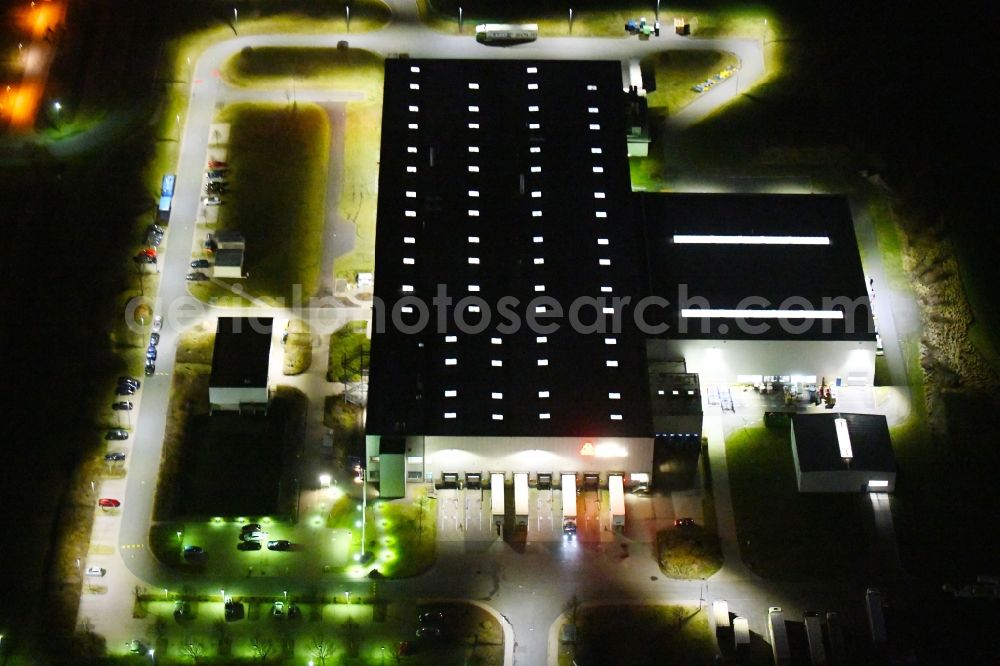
(467, 515)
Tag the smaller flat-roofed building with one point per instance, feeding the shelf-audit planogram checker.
(675, 398)
(758, 288)
(240, 362)
(230, 240)
(843, 453)
(228, 264)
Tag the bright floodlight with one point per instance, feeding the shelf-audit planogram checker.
(878, 483)
(708, 313)
(843, 439)
(324, 480)
(695, 239)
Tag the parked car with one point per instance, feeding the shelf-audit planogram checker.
(150, 252)
(428, 632)
(684, 522)
(249, 545)
(278, 609)
(123, 405)
(196, 276)
(150, 367)
(117, 434)
(216, 173)
(125, 389)
(431, 617)
(253, 535)
(129, 380)
(143, 258)
(154, 339)
(217, 164)
(151, 353)
(250, 527)
(157, 323)
(216, 187)
(193, 551)
(108, 503)
(182, 610)
(642, 491)
(154, 239)
(294, 612)
(114, 456)
(135, 646)
(201, 263)
(211, 200)
(96, 572)
(280, 544)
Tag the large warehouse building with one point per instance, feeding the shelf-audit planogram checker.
(474, 198)
(512, 261)
(732, 265)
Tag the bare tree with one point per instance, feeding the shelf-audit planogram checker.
(320, 649)
(262, 647)
(192, 650)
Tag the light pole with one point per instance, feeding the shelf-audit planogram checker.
(347, 11)
(571, 19)
(383, 655)
(152, 655)
(177, 118)
(460, 19)
(657, 11)
(285, 592)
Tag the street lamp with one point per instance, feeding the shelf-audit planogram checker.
(383, 655)
(460, 19)
(657, 11)
(571, 19)
(286, 596)
(152, 655)
(347, 10)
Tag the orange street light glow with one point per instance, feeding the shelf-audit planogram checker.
(24, 105)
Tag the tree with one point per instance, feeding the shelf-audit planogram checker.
(320, 649)
(262, 647)
(193, 650)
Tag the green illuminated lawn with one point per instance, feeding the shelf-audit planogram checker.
(278, 160)
(349, 349)
(675, 72)
(411, 534)
(359, 195)
(789, 535)
(341, 69)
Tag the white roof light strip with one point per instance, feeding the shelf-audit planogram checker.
(843, 439)
(696, 239)
(752, 313)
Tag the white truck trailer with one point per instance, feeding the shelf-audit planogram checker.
(497, 497)
(778, 634)
(814, 635)
(741, 635)
(506, 33)
(568, 484)
(616, 493)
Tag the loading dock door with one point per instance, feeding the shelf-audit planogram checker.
(496, 494)
(521, 498)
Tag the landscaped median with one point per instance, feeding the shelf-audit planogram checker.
(280, 66)
(594, 635)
